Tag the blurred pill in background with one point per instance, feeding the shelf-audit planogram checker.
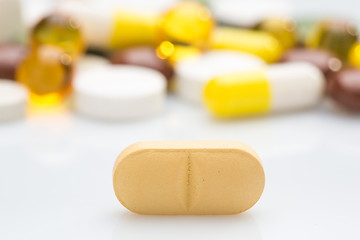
(193, 73)
(105, 28)
(344, 88)
(282, 28)
(189, 22)
(11, 55)
(280, 87)
(336, 36)
(13, 100)
(89, 61)
(248, 13)
(61, 31)
(175, 52)
(11, 22)
(145, 57)
(259, 43)
(322, 59)
(46, 71)
(119, 92)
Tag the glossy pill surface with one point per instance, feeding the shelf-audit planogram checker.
(344, 88)
(259, 43)
(143, 56)
(188, 177)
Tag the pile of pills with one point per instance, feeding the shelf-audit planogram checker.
(120, 64)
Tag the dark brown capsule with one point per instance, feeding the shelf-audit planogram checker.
(322, 59)
(344, 88)
(144, 57)
(11, 55)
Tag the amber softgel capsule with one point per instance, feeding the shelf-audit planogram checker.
(46, 72)
(188, 177)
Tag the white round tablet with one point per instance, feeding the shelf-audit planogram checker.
(119, 92)
(90, 61)
(13, 100)
(192, 74)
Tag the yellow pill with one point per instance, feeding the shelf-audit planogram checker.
(258, 43)
(60, 31)
(132, 29)
(188, 177)
(187, 23)
(354, 55)
(175, 53)
(283, 29)
(46, 71)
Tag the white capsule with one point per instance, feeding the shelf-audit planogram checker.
(119, 92)
(295, 85)
(280, 87)
(13, 100)
(193, 73)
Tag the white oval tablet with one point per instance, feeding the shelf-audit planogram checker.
(119, 92)
(192, 74)
(13, 99)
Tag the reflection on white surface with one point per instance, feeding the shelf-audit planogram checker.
(56, 176)
(241, 226)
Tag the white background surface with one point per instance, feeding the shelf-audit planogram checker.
(56, 182)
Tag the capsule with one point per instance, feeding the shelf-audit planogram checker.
(282, 28)
(47, 72)
(113, 28)
(280, 87)
(335, 36)
(60, 31)
(188, 177)
(259, 43)
(188, 23)
(344, 89)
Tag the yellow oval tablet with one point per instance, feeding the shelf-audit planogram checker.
(188, 177)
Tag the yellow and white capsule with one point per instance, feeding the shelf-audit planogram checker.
(280, 87)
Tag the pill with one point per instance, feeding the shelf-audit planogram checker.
(13, 99)
(259, 43)
(322, 59)
(11, 22)
(61, 31)
(11, 55)
(354, 55)
(282, 28)
(188, 23)
(175, 52)
(188, 177)
(344, 88)
(193, 73)
(246, 14)
(119, 92)
(336, 36)
(105, 28)
(280, 87)
(47, 72)
(145, 57)
(89, 61)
